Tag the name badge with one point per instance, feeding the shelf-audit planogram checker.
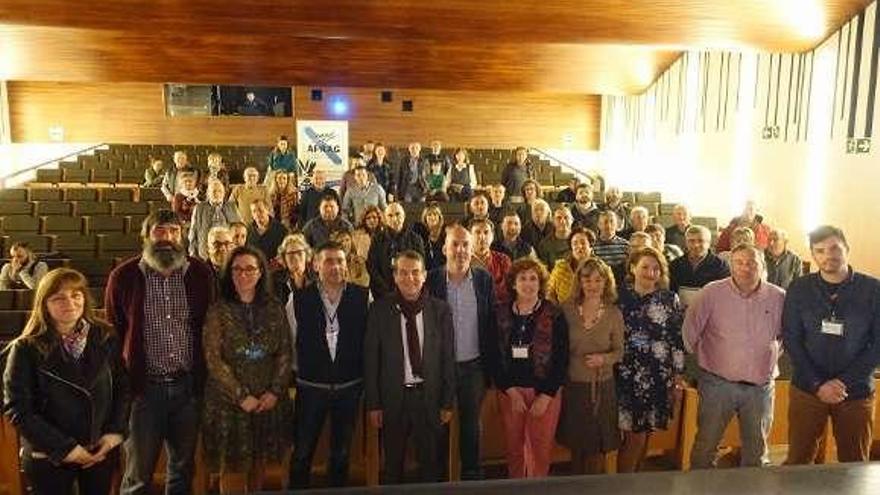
(832, 327)
(520, 352)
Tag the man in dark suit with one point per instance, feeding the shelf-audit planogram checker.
(410, 179)
(331, 320)
(395, 237)
(470, 293)
(410, 369)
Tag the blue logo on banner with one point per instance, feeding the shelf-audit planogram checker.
(320, 144)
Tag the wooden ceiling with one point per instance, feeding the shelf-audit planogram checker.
(563, 46)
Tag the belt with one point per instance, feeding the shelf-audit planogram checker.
(413, 386)
(329, 386)
(169, 378)
(750, 384)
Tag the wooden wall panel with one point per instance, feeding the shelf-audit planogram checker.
(133, 113)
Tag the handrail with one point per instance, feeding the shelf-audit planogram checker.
(47, 162)
(563, 164)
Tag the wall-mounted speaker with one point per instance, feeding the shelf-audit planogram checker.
(317, 95)
(386, 96)
(407, 106)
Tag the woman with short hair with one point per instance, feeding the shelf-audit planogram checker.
(533, 348)
(66, 391)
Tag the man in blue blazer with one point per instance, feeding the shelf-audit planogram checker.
(470, 293)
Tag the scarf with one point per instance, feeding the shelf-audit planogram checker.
(410, 310)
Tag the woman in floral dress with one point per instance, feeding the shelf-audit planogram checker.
(649, 376)
(248, 355)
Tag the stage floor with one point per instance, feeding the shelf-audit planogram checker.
(835, 479)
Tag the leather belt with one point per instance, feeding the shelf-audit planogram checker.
(329, 386)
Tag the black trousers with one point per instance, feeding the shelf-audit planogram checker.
(420, 423)
(312, 407)
(46, 478)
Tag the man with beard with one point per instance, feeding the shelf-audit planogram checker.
(830, 327)
(157, 303)
(584, 210)
(510, 241)
(386, 245)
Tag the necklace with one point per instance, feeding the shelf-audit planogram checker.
(590, 322)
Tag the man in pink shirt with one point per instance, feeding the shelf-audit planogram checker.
(734, 326)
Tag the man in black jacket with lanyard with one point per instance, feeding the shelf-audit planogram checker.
(331, 318)
(470, 293)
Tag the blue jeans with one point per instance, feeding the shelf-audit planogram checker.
(720, 399)
(167, 414)
(312, 406)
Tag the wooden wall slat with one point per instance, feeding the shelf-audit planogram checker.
(134, 113)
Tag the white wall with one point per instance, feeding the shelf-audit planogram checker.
(696, 135)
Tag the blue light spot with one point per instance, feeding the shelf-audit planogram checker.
(339, 107)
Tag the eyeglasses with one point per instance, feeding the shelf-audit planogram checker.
(246, 270)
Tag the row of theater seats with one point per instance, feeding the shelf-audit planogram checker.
(126, 163)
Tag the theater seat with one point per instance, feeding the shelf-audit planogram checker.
(20, 223)
(7, 300)
(119, 245)
(52, 208)
(647, 197)
(103, 175)
(91, 208)
(117, 194)
(11, 323)
(13, 195)
(80, 194)
(94, 269)
(23, 300)
(76, 175)
(49, 175)
(59, 224)
(130, 208)
(16, 207)
(46, 194)
(38, 242)
(76, 245)
(104, 223)
(130, 176)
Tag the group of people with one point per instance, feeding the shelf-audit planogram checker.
(578, 320)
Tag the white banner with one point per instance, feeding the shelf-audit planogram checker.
(322, 145)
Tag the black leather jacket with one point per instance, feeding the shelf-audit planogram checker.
(57, 404)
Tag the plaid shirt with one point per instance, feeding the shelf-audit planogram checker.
(168, 334)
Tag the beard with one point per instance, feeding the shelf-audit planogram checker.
(163, 256)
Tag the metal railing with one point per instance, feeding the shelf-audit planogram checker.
(4, 179)
(560, 163)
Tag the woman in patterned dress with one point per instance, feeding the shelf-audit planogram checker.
(248, 355)
(649, 376)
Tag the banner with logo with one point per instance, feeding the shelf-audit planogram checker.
(321, 145)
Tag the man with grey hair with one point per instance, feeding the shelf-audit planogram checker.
(737, 355)
(681, 221)
(688, 274)
(171, 180)
(639, 218)
(410, 179)
(783, 266)
(609, 246)
(556, 245)
(219, 246)
(214, 212)
(157, 303)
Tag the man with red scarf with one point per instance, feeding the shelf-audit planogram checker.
(410, 369)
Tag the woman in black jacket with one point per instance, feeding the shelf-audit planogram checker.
(65, 390)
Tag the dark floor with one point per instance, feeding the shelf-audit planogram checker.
(833, 479)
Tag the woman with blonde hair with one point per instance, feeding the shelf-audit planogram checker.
(649, 376)
(65, 390)
(284, 198)
(563, 282)
(588, 421)
(432, 230)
